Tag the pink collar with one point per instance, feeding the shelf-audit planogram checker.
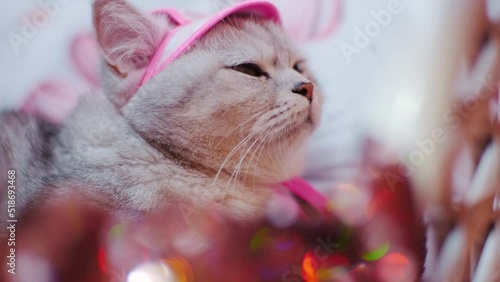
(302, 189)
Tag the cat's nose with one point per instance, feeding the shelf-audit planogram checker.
(305, 89)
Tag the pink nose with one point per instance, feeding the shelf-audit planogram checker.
(305, 89)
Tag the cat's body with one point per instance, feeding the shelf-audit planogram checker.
(97, 155)
(212, 128)
(26, 148)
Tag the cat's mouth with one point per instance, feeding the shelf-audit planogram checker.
(293, 127)
(309, 118)
(306, 124)
(286, 122)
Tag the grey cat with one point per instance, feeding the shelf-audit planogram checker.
(219, 127)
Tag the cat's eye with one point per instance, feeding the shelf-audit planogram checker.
(298, 68)
(250, 69)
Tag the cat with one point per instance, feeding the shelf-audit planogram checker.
(221, 126)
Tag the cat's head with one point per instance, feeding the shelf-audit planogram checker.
(239, 102)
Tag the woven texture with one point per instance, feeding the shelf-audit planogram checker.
(458, 189)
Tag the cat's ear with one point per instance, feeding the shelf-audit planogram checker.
(127, 37)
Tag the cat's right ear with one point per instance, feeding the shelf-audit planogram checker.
(128, 38)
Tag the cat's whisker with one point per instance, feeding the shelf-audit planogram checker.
(233, 176)
(237, 169)
(222, 139)
(231, 153)
(261, 147)
(261, 140)
(238, 127)
(278, 157)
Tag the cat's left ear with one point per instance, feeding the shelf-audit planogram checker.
(127, 38)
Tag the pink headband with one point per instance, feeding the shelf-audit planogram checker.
(188, 31)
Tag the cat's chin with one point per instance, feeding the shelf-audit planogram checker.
(295, 132)
(288, 163)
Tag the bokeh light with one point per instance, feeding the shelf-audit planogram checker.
(192, 242)
(349, 203)
(182, 269)
(334, 268)
(103, 264)
(338, 273)
(284, 243)
(260, 239)
(378, 253)
(116, 231)
(152, 272)
(282, 210)
(40, 269)
(310, 267)
(395, 267)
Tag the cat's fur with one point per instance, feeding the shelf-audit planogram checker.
(199, 133)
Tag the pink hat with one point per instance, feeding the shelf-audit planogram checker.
(187, 31)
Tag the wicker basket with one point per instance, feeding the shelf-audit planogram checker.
(456, 162)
